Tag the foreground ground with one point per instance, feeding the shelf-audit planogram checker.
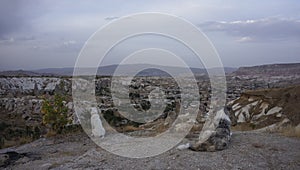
(248, 150)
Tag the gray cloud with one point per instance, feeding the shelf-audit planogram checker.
(110, 18)
(11, 18)
(266, 29)
(16, 16)
(36, 34)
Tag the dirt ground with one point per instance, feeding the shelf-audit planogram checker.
(247, 150)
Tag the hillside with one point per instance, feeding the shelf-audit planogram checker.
(110, 69)
(292, 69)
(24, 73)
(262, 108)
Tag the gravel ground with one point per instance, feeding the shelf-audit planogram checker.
(247, 150)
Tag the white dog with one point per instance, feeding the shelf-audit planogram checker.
(97, 128)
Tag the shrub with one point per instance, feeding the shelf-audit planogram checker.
(55, 114)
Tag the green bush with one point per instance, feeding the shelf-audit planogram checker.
(55, 114)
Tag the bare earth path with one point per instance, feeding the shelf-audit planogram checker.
(248, 150)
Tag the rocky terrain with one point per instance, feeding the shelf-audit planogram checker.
(21, 103)
(247, 150)
(260, 98)
(270, 109)
(22, 97)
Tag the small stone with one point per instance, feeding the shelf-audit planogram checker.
(3, 159)
(46, 165)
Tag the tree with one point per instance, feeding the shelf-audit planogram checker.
(55, 114)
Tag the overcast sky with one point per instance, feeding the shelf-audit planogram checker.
(44, 34)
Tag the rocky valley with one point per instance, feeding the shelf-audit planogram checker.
(260, 99)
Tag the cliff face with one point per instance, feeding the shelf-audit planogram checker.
(266, 108)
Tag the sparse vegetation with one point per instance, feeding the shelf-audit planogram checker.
(253, 125)
(55, 114)
(290, 131)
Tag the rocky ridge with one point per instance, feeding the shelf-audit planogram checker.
(274, 108)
